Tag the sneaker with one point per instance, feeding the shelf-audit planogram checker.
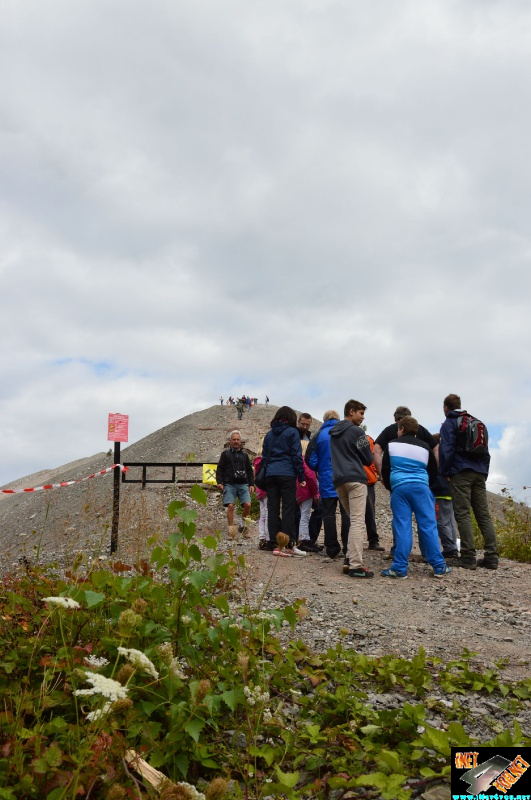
(440, 573)
(390, 573)
(333, 553)
(389, 557)
(360, 572)
(376, 546)
(298, 552)
(346, 566)
(269, 546)
(284, 553)
(486, 564)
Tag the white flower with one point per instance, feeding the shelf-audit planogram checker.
(175, 669)
(92, 716)
(193, 791)
(66, 602)
(138, 659)
(185, 619)
(94, 661)
(108, 688)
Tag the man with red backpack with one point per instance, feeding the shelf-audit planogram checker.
(464, 461)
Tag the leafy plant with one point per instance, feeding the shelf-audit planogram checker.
(163, 661)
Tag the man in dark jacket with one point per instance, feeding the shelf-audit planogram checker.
(235, 477)
(351, 452)
(467, 474)
(408, 467)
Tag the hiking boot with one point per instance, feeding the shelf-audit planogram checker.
(269, 546)
(232, 531)
(453, 554)
(391, 573)
(487, 564)
(346, 566)
(308, 546)
(466, 564)
(440, 573)
(262, 544)
(360, 572)
(389, 557)
(376, 546)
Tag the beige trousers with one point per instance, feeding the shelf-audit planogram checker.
(353, 498)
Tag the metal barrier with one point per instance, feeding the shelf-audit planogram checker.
(173, 465)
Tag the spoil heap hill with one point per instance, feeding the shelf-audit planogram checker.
(60, 521)
(52, 525)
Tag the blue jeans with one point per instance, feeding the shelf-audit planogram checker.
(408, 498)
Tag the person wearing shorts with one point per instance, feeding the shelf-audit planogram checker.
(235, 477)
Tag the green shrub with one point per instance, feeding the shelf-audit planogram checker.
(169, 662)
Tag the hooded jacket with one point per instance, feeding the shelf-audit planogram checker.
(282, 451)
(450, 461)
(351, 452)
(319, 459)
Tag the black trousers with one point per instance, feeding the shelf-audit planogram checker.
(370, 515)
(281, 491)
(331, 543)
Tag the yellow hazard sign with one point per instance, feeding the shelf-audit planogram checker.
(209, 473)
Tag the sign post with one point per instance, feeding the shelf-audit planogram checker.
(117, 431)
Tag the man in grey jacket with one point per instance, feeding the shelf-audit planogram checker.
(351, 452)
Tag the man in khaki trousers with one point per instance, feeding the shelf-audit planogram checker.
(351, 452)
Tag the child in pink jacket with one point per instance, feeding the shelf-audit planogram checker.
(305, 497)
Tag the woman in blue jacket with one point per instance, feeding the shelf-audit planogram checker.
(282, 453)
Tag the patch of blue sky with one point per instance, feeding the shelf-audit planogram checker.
(97, 367)
(495, 434)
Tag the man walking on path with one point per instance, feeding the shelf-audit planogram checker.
(351, 452)
(466, 467)
(235, 477)
(408, 466)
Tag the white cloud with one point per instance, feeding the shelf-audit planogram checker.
(314, 200)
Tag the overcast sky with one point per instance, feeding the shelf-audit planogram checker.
(313, 200)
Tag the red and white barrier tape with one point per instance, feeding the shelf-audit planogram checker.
(65, 483)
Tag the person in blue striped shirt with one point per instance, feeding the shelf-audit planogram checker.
(408, 467)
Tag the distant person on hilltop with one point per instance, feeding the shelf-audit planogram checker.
(240, 407)
(221, 400)
(267, 400)
(464, 462)
(235, 477)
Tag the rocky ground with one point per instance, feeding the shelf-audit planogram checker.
(488, 612)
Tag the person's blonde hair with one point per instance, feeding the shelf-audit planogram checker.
(330, 415)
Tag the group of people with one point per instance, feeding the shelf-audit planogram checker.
(432, 476)
(245, 399)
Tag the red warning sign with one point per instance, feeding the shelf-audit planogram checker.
(118, 430)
